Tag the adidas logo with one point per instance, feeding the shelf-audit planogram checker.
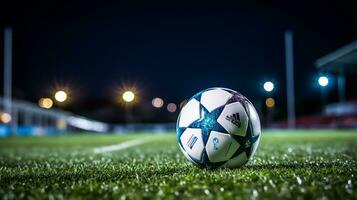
(234, 119)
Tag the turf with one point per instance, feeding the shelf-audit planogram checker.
(293, 164)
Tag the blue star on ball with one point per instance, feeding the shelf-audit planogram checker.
(208, 122)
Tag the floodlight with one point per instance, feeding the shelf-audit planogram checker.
(60, 96)
(323, 81)
(128, 96)
(268, 86)
(157, 102)
(45, 103)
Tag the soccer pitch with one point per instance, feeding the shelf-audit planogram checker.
(290, 164)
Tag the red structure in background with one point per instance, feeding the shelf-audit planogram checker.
(338, 115)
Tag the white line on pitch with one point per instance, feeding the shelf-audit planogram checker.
(118, 147)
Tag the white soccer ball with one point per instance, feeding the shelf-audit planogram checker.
(218, 127)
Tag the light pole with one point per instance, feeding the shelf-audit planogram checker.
(8, 80)
(290, 85)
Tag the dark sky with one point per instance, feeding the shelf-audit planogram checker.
(172, 49)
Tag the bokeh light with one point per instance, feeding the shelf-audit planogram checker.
(128, 96)
(5, 117)
(45, 103)
(270, 102)
(183, 103)
(61, 96)
(323, 81)
(157, 102)
(268, 86)
(171, 107)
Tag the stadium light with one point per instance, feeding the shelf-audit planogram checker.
(5, 117)
(268, 86)
(171, 107)
(270, 102)
(61, 96)
(323, 81)
(157, 102)
(45, 103)
(128, 96)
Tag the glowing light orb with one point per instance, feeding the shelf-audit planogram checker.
(45, 103)
(171, 107)
(61, 96)
(157, 102)
(268, 86)
(5, 117)
(323, 81)
(128, 96)
(270, 102)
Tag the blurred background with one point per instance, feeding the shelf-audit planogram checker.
(126, 66)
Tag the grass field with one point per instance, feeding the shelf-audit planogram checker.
(296, 164)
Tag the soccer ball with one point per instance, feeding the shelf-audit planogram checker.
(218, 127)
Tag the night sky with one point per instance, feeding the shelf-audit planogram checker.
(171, 50)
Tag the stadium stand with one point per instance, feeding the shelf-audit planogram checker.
(29, 119)
(342, 114)
(340, 61)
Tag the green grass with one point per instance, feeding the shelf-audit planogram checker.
(294, 164)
